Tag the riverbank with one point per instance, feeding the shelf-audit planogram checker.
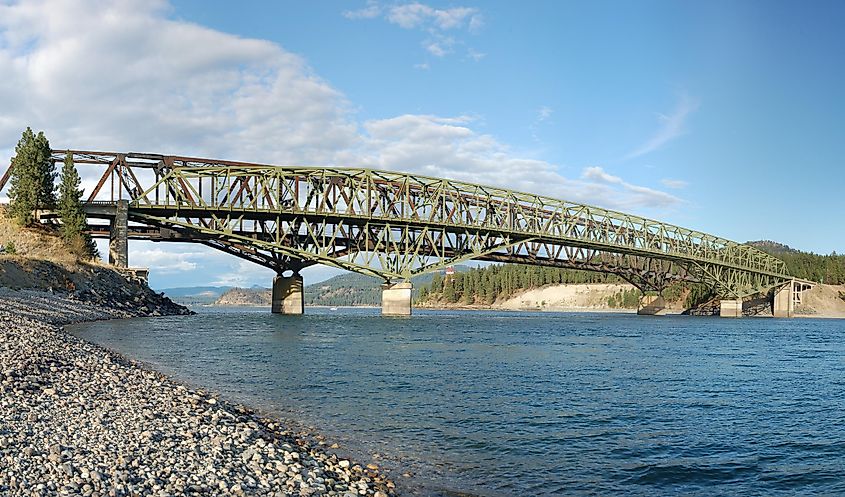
(76, 419)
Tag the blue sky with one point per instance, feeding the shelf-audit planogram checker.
(721, 116)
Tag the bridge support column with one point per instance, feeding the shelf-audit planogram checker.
(119, 236)
(287, 295)
(730, 308)
(784, 304)
(396, 299)
(651, 305)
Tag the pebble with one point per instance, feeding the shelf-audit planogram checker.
(80, 420)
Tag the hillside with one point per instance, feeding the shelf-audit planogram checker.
(41, 261)
(236, 297)
(344, 290)
(195, 295)
(39, 242)
(516, 286)
(828, 269)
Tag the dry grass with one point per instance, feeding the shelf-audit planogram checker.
(41, 242)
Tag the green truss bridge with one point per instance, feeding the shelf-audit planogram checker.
(396, 225)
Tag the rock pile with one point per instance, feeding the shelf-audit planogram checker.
(76, 419)
(123, 296)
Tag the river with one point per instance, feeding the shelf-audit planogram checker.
(525, 403)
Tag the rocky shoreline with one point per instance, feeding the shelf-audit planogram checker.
(77, 419)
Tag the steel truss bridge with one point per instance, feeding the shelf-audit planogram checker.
(396, 225)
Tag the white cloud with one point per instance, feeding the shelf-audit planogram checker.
(123, 76)
(675, 184)
(448, 147)
(417, 15)
(671, 126)
(245, 274)
(475, 54)
(439, 47)
(166, 261)
(544, 113)
(372, 10)
(635, 195)
(433, 21)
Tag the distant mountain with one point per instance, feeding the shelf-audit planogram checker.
(348, 289)
(195, 294)
(353, 289)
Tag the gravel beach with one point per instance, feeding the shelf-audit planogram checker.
(76, 419)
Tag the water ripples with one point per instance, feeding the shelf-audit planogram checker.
(513, 404)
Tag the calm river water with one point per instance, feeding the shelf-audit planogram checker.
(533, 404)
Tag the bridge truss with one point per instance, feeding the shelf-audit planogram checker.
(396, 225)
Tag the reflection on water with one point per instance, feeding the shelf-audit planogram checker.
(533, 403)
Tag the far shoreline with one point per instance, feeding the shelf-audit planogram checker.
(573, 310)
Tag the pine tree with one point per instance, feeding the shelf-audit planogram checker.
(33, 177)
(71, 213)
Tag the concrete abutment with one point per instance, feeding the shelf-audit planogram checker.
(652, 305)
(730, 308)
(288, 295)
(119, 236)
(396, 299)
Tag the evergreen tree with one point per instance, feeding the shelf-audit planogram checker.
(449, 292)
(71, 213)
(33, 177)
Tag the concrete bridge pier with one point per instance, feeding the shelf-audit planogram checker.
(396, 299)
(730, 308)
(119, 236)
(287, 295)
(789, 296)
(652, 305)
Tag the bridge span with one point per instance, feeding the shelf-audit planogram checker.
(394, 225)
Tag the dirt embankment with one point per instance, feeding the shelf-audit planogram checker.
(39, 260)
(590, 297)
(823, 301)
(604, 297)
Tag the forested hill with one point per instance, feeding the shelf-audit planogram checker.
(486, 285)
(496, 283)
(829, 269)
(353, 289)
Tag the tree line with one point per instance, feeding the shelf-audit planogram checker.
(489, 284)
(33, 187)
(829, 269)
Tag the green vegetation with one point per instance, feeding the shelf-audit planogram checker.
(33, 176)
(10, 248)
(829, 269)
(698, 294)
(71, 213)
(352, 289)
(625, 299)
(499, 282)
(484, 286)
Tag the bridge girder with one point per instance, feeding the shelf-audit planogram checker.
(395, 225)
